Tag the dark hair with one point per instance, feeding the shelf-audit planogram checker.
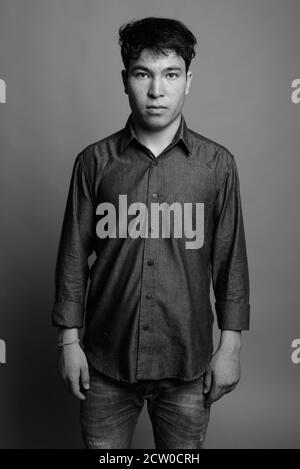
(156, 34)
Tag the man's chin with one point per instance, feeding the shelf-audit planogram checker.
(156, 122)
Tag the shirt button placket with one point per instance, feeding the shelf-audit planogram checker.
(146, 339)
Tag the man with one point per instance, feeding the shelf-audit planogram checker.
(160, 206)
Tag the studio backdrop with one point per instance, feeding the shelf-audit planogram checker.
(60, 90)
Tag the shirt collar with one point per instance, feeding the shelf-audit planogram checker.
(182, 134)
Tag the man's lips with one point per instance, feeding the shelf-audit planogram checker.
(156, 107)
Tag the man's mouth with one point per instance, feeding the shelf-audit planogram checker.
(156, 107)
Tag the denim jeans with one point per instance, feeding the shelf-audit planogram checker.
(176, 409)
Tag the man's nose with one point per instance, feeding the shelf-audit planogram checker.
(156, 88)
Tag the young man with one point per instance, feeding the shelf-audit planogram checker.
(160, 206)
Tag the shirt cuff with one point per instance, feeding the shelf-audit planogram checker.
(233, 316)
(67, 314)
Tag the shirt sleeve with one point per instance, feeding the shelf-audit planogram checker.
(230, 275)
(75, 247)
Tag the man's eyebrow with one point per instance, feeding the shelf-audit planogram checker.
(167, 69)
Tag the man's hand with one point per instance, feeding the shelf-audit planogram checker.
(73, 367)
(224, 370)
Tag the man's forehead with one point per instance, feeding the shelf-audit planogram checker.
(149, 56)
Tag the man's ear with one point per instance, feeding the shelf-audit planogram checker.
(188, 81)
(124, 79)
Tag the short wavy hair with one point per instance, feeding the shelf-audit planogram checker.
(158, 34)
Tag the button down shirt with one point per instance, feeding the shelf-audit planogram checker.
(147, 313)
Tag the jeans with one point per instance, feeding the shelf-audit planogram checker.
(110, 411)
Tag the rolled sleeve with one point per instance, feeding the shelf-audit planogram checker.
(75, 247)
(230, 275)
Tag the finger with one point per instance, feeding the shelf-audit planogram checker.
(85, 377)
(207, 381)
(211, 391)
(215, 394)
(74, 388)
(230, 388)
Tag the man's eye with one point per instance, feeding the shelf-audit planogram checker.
(141, 74)
(173, 74)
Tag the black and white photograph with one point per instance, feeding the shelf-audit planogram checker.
(150, 220)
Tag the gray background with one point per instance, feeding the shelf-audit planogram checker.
(62, 65)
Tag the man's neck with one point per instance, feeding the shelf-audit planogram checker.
(156, 141)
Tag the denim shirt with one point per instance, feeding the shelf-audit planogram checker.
(162, 229)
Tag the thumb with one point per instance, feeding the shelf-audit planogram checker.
(207, 381)
(85, 377)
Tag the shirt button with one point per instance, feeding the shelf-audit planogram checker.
(155, 162)
(146, 327)
(155, 196)
(150, 262)
(148, 296)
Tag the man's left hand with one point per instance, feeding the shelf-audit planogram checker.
(222, 374)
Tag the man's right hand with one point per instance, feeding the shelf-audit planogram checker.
(73, 368)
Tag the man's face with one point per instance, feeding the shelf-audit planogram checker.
(156, 80)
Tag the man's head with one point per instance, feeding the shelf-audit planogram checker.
(156, 53)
